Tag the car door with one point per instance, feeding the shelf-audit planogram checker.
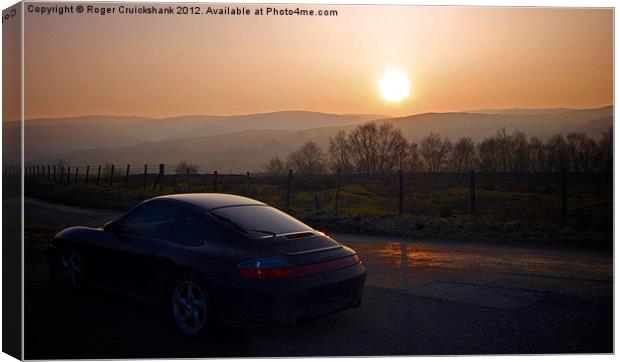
(142, 236)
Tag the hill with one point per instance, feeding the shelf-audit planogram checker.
(214, 149)
(47, 137)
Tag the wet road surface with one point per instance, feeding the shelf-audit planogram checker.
(422, 297)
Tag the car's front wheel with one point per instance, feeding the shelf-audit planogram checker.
(69, 270)
(190, 307)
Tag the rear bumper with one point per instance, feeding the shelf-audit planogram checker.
(289, 300)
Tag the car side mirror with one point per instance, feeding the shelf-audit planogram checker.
(111, 226)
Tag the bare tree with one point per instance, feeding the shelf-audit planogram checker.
(364, 141)
(537, 155)
(182, 167)
(435, 151)
(340, 153)
(307, 159)
(504, 150)
(275, 166)
(392, 148)
(463, 155)
(557, 153)
(606, 150)
(519, 152)
(413, 160)
(488, 151)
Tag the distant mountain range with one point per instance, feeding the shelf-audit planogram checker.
(246, 142)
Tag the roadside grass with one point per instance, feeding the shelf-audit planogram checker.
(501, 216)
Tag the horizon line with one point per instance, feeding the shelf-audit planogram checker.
(471, 111)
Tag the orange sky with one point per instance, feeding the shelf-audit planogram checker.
(457, 58)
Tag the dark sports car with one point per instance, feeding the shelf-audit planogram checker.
(210, 257)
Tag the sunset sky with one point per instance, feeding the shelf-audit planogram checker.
(455, 58)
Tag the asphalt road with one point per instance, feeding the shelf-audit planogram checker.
(421, 298)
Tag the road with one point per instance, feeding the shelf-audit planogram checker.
(422, 298)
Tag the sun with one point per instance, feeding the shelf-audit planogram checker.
(394, 85)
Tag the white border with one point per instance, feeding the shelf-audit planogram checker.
(506, 3)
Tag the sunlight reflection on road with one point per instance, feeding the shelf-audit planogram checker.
(409, 264)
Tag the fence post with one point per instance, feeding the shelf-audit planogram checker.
(214, 181)
(248, 181)
(38, 174)
(472, 193)
(161, 177)
(76, 174)
(127, 176)
(564, 210)
(317, 202)
(68, 175)
(86, 175)
(98, 175)
(145, 176)
(49, 174)
(111, 175)
(288, 188)
(54, 177)
(337, 199)
(158, 177)
(401, 192)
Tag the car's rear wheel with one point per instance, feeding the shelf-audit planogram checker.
(69, 270)
(190, 307)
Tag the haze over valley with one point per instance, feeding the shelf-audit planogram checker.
(246, 142)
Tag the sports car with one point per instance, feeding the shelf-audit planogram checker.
(210, 257)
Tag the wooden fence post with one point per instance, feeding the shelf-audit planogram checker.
(472, 193)
(161, 177)
(564, 210)
(248, 181)
(68, 175)
(288, 188)
(98, 175)
(337, 199)
(54, 177)
(317, 202)
(38, 174)
(401, 192)
(49, 175)
(111, 178)
(127, 176)
(76, 174)
(86, 175)
(145, 176)
(157, 178)
(214, 181)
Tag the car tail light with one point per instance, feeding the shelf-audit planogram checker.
(277, 267)
(274, 267)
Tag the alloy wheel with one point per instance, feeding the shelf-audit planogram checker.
(69, 270)
(189, 307)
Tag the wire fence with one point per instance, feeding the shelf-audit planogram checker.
(554, 197)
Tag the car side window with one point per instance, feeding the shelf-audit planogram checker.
(153, 221)
(192, 229)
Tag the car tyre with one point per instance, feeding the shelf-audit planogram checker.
(190, 305)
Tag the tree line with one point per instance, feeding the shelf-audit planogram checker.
(380, 148)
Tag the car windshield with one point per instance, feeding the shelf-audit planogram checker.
(259, 220)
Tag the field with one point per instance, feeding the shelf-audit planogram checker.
(500, 207)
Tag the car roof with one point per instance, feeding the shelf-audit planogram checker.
(210, 201)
